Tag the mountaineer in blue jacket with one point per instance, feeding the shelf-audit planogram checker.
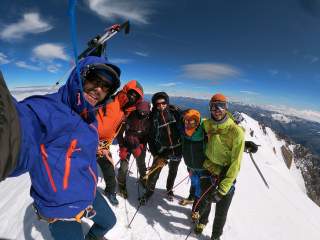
(54, 138)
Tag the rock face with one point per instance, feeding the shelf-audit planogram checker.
(287, 155)
(309, 165)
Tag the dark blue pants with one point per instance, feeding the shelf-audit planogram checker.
(103, 222)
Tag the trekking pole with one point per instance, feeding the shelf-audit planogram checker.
(129, 225)
(260, 173)
(197, 203)
(129, 171)
(177, 184)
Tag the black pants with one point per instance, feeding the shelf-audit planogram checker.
(108, 172)
(123, 170)
(153, 178)
(222, 208)
(9, 132)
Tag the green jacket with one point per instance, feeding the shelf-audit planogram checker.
(193, 148)
(224, 151)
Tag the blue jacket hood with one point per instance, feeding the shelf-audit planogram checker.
(72, 94)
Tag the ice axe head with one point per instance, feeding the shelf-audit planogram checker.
(250, 147)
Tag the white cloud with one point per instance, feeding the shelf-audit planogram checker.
(209, 71)
(170, 84)
(304, 114)
(281, 118)
(30, 23)
(134, 10)
(311, 58)
(49, 52)
(250, 92)
(120, 60)
(53, 68)
(142, 54)
(23, 64)
(3, 59)
(273, 72)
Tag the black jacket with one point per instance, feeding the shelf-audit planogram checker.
(165, 133)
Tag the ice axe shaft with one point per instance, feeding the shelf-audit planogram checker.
(260, 173)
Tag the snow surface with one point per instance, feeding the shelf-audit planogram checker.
(283, 212)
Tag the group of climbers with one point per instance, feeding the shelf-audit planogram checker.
(61, 148)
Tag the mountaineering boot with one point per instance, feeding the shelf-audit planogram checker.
(123, 191)
(170, 196)
(112, 198)
(199, 228)
(9, 132)
(195, 216)
(145, 197)
(186, 201)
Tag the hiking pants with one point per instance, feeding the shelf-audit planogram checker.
(153, 178)
(222, 208)
(108, 172)
(124, 164)
(104, 220)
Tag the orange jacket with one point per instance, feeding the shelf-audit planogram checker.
(111, 116)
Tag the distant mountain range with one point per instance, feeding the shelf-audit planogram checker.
(298, 130)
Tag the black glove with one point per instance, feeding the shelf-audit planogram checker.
(216, 196)
(250, 146)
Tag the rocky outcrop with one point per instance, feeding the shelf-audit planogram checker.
(309, 165)
(287, 155)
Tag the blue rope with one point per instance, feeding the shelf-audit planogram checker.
(73, 28)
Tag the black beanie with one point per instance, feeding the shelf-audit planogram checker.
(159, 95)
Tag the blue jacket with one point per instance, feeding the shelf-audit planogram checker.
(58, 148)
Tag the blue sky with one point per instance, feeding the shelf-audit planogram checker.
(259, 52)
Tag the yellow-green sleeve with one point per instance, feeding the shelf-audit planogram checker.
(234, 167)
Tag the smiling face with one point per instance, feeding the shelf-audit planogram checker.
(218, 110)
(161, 104)
(94, 91)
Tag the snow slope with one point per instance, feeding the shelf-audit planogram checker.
(283, 212)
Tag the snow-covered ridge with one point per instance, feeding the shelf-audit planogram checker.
(281, 212)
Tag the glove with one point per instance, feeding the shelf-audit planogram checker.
(123, 153)
(250, 146)
(216, 196)
(137, 151)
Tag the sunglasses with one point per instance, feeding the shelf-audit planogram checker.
(190, 122)
(218, 106)
(161, 103)
(105, 86)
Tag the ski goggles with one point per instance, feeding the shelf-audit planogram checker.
(218, 106)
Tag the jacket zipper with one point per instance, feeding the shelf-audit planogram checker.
(67, 168)
(47, 167)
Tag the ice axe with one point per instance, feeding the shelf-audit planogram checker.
(97, 45)
(251, 147)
